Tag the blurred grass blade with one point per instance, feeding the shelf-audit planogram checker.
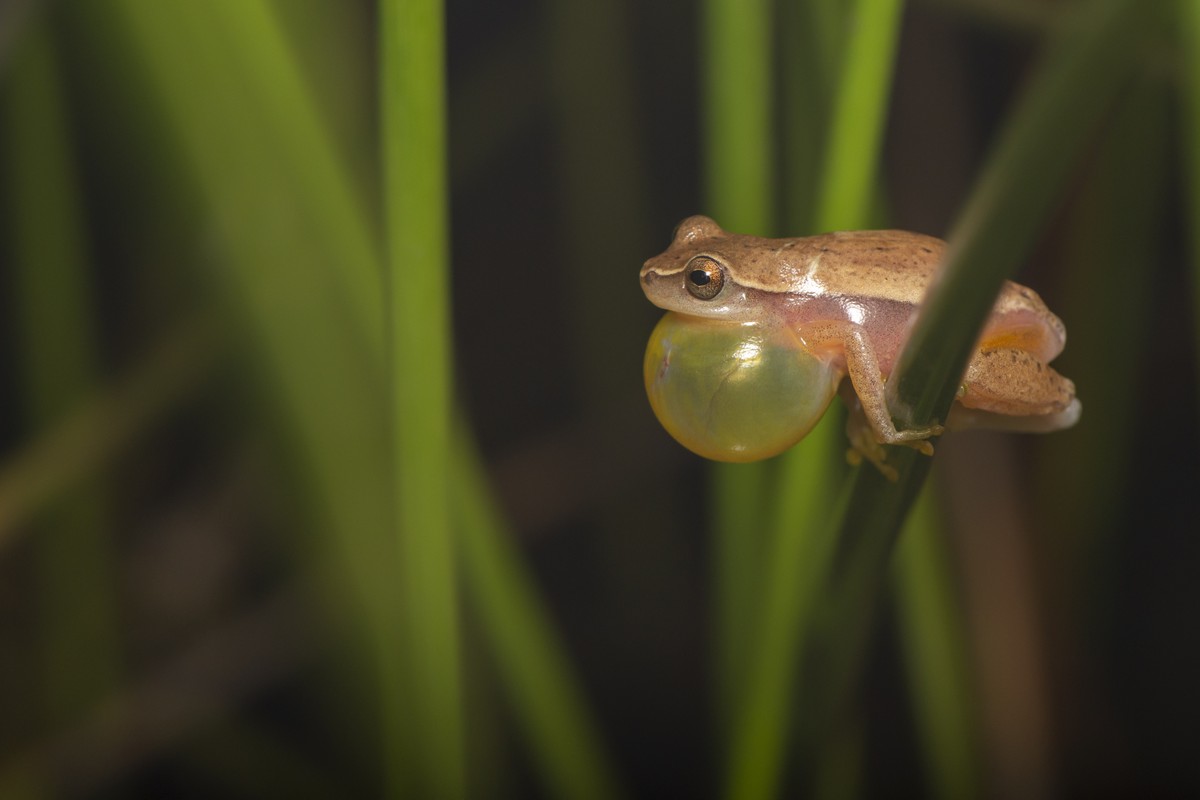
(1115, 250)
(1021, 181)
(809, 35)
(791, 575)
(316, 361)
(320, 358)
(739, 167)
(737, 70)
(935, 650)
(1189, 26)
(860, 106)
(549, 705)
(288, 111)
(53, 305)
(798, 548)
(1080, 75)
(86, 439)
(412, 102)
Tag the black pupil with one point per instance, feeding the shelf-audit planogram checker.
(700, 277)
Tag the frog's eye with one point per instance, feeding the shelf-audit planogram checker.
(704, 278)
(734, 392)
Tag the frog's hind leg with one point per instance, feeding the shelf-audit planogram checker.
(862, 366)
(1011, 388)
(862, 438)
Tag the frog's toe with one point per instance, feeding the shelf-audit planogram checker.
(923, 446)
(876, 454)
(916, 437)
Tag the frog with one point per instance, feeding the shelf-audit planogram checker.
(761, 333)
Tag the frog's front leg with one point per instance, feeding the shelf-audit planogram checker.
(862, 365)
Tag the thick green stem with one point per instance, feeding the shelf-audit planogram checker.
(1021, 180)
(739, 170)
(412, 85)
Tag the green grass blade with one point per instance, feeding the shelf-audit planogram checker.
(321, 358)
(859, 112)
(592, 127)
(412, 86)
(738, 97)
(813, 32)
(548, 703)
(789, 577)
(286, 108)
(1189, 19)
(1114, 250)
(57, 334)
(935, 650)
(316, 360)
(798, 548)
(317, 355)
(1021, 179)
(739, 167)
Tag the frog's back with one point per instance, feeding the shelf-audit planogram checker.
(882, 265)
(898, 266)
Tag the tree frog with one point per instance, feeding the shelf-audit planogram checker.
(763, 332)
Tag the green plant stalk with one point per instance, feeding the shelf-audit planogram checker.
(935, 651)
(790, 577)
(798, 545)
(320, 368)
(53, 308)
(412, 102)
(1116, 220)
(809, 66)
(859, 112)
(738, 521)
(1024, 175)
(592, 127)
(739, 95)
(546, 699)
(1188, 14)
(1017, 190)
(336, 84)
(316, 361)
(305, 322)
(333, 204)
(739, 170)
(547, 702)
(321, 365)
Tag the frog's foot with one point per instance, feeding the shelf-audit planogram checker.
(916, 438)
(862, 440)
(867, 443)
(875, 455)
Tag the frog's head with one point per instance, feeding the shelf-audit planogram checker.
(723, 377)
(701, 274)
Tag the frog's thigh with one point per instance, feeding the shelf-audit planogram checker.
(1035, 338)
(1013, 381)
